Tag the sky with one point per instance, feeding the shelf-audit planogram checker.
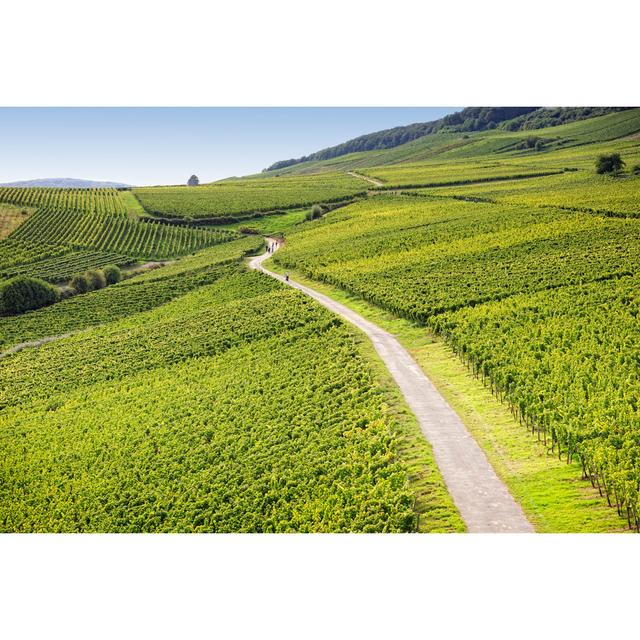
(158, 145)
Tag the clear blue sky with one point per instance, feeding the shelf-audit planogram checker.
(166, 145)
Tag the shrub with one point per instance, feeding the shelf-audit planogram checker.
(635, 169)
(96, 279)
(80, 283)
(609, 163)
(539, 145)
(314, 213)
(112, 273)
(21, 294)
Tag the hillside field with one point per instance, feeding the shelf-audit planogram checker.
(191, 394)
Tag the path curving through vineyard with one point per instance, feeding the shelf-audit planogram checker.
(373, 181)
(485, 504)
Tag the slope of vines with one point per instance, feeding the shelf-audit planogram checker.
(99, 201)
(235, 199)
(141, 293)
(185, 418)
(568, 362)
(541, 303)
(117, 234)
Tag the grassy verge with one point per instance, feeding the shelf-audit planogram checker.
(134, 208)
(551, 493)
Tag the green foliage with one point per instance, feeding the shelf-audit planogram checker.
(78, 229)
(187, 418)
(419, 257)
(80, 283)
(575, 191)
(469, 119)
(115, 234)
(446, 149)
(21, 294)
(96, 279)
(141, 293)
(609, 163)
(93, 201)
(567, 361)
(232, 200)
(314, 213)
(112, 273)
(432, 175)
(544, 117)
(541, 303)
(193, 181)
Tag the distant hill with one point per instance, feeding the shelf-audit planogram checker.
(469, 119)
(65, 183)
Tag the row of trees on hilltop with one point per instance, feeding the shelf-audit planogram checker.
(469, 119)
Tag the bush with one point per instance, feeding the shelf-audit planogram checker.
(609, 163)
(21, 294)
(112, 274)
(80, 283)
(539, 145)
(635, 169)
(96, 279)
(314, 213)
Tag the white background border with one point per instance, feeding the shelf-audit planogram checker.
(326, 53)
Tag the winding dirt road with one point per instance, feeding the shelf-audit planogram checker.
(485, 504)
(374, 181)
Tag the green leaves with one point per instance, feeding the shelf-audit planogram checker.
(240, 406)
(236, 199)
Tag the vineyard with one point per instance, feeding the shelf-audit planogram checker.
(540, 302)
(567, 361)
(198, 395)
(98, 201)
(187, 420)
(579, 191)
(441, 264)
(121, 235)
(55, 243)
(142, 293)
(408, 175)
(230, 200)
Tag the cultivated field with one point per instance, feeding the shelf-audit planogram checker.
(191, 394)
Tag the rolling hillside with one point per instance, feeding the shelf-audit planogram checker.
(195, 395)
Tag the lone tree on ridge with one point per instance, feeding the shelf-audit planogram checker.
(193, 181)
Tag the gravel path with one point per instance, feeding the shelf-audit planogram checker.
(374, 181)
(485, 504)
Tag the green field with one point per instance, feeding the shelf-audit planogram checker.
(201, 396)
(142, 293)
(230, 200)
(532, 282)
(74, 230)
(184, 418)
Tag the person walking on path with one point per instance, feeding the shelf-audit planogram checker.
(286, 277)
